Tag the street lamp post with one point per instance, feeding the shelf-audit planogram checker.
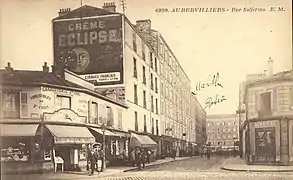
(103, 127)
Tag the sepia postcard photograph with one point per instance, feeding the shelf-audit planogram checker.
(146, 90)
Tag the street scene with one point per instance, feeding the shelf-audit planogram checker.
(126, 89)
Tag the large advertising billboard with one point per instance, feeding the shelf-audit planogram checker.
(90, 47)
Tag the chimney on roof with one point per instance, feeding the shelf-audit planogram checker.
(8, 67)
(64, 11)
(270, 67)
(110, 7)
(144, 26)
(58, 71)
(45, 67)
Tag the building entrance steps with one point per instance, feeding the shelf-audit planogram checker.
(238, 164)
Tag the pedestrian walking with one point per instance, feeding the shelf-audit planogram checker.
(92, 161)
(148, 156)
(142, 158)
(174, 153)
(137, 155)
(100, 160)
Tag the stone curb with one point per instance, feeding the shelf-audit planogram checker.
(254, 170)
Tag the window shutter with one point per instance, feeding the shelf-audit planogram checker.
(23, 105)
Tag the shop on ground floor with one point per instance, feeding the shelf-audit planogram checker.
(268, 141)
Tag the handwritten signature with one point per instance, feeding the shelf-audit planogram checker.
(215, 82)
(210, 102)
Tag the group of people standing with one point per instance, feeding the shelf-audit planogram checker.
(140, 156)
(95, 159)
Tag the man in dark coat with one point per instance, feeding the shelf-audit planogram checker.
(92, 160)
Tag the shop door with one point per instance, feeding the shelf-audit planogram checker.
(64, 153)
(265, 145)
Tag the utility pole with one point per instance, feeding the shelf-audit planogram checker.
(123, 4)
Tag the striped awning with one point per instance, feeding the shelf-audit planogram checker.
(70, 134)
(142, 141)
(13, 130)
(107, 132)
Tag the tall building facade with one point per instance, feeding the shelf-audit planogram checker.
(223, 130)
(106, 49)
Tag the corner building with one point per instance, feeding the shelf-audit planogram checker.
(123, 62)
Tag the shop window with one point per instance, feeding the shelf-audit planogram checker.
(15, 149)
(11, 105)
(94, 113)
(63, 102)
(82, 152)
(47, 154)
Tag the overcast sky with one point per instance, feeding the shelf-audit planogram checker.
(233, 44)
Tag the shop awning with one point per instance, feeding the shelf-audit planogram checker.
(107, 132)
(141, 141)
(18, 130)
(70, 134)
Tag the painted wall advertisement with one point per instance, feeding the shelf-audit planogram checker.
(91, 48)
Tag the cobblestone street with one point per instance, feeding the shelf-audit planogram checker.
(198, 168)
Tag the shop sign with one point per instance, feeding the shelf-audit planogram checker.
(60, 91)
(102, 77)
(264, 123)
(41, 101)
(64, 115)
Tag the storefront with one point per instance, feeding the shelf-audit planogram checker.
(158, 140)
(69, 144)
(21, 149)
(143, 142)
(270, 141)
(122, 142)
(167, 145)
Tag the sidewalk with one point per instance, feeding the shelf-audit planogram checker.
(237, 164)
(84, 175)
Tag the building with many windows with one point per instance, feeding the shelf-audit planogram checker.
(133, 65)
(223, 130)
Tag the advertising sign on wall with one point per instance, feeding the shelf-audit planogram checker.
(91, 47)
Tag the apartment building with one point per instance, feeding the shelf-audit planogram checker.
(223, 130)
(106, 49)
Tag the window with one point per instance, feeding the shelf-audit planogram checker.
(143, 51)
(151, 60)
(135, 94)
(156, 64)
(110, 119)
(153, 128)
(143, 75)
(134, 68)
(291, 97)
(265, 106)
(157, 108)
(157, 127)
(152, 103)
(152, 83)
(94, 113)
(63, 102)
(134, 41)
(156, 85)
(11, 104)
(144, 123)
(119, 119)
(135, 121)
(144, 99)
(23, 105)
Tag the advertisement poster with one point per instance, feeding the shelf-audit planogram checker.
(91, 47)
